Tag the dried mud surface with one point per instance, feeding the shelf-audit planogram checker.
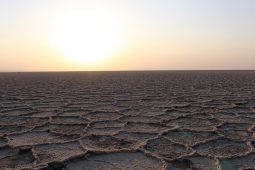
(128, 120)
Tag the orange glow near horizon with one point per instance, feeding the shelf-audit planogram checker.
(91, 35)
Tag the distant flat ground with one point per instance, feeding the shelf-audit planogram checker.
(128, 120)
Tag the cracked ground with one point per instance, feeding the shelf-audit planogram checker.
(128, 120)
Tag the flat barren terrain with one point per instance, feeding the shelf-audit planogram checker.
(128, 120)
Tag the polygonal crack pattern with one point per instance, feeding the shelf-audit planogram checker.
(223, 148)
(116, 161)
(167, 149)
(128, 120)
(194, 162)
(57, 152)
(105, 143)
(190, 138)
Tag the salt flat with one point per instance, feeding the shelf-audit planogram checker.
(128, 120)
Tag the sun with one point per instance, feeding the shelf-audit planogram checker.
(84, 37)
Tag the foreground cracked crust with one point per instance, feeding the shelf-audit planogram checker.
(127, 120)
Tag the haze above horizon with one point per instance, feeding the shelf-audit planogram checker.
(95, 35)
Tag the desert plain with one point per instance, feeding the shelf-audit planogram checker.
(156, 120)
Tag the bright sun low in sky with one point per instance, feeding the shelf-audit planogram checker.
(84, 35)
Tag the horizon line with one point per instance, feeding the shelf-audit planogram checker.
(156, 70)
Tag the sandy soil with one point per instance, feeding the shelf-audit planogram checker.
(128, 120)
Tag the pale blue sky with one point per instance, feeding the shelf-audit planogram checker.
(158, 34)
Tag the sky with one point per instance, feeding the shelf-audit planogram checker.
(96, 35)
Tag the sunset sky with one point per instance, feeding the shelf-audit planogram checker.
(84, 35)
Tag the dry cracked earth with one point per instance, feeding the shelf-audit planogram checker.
(128, 120)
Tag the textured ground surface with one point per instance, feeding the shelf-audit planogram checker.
(127, 120)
